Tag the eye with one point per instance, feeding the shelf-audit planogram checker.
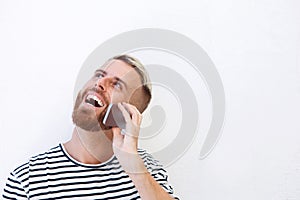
(99, 75)
(118, 85)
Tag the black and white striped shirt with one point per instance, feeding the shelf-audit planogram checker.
(56, 175)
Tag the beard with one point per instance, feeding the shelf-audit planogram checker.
(87, 119)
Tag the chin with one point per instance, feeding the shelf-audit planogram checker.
(88, 120)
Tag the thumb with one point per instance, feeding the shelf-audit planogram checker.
(117, 136)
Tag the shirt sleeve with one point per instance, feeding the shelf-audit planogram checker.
(13, 189)
(159, 174)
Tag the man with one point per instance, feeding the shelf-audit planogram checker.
(99, 162)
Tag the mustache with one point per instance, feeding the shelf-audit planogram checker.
(98, 91)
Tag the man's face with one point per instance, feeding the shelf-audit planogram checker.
(115, 82)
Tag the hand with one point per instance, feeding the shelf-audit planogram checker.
(125, 142)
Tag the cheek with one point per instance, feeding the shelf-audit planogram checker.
(88, 84)
(119, 97)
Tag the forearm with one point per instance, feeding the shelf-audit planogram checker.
(125, 148)
(148, 188)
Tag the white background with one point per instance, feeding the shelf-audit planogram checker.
(255, 46)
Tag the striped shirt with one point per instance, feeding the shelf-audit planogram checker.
(56, 175)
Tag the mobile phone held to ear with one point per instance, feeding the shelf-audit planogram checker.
(114, 117)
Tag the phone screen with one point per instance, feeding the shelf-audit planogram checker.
(114, 117)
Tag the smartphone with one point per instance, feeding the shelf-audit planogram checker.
(114, 117)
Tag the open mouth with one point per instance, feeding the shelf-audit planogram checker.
(94, 101)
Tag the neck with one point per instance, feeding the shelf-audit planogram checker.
(90, 147)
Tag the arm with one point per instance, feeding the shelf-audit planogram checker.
(148, 188)
(13, 189)
(125, 149)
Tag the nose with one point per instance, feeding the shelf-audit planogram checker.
(100, 84)
(103, 83)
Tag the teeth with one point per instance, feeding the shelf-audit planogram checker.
(95, 98)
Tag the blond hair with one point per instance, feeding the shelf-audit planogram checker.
(141, 70)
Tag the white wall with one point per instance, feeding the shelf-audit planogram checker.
(254, 45)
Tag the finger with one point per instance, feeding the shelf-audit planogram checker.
(117, 136)
(134, 112)
(132, 124)
(131, 108)
(125, 113)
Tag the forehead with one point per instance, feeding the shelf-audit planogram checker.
(123, 71)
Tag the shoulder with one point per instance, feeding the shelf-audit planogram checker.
(17, 184)
(48, 155)
(38, 159)
(153, 165)
(157, 171)
(146, 156)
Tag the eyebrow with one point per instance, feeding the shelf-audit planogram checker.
(117, 78)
